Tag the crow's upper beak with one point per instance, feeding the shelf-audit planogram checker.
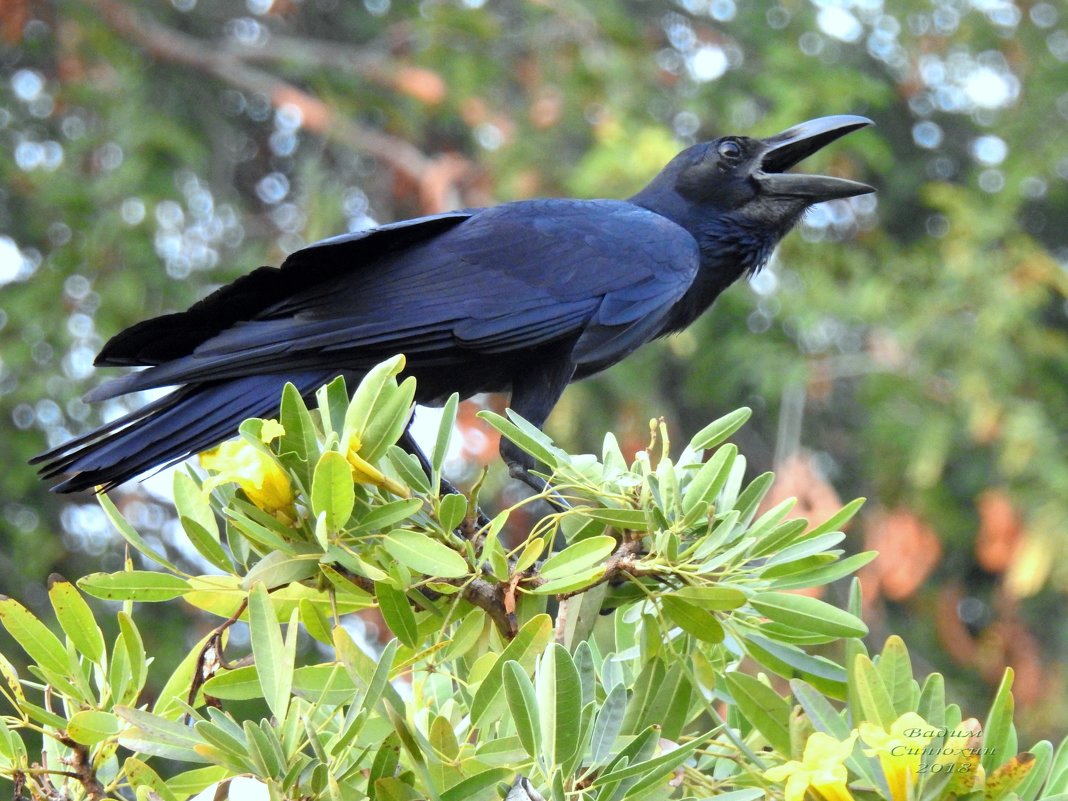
(786, 149)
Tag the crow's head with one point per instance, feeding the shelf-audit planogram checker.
(747, 180)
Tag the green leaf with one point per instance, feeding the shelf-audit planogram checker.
(709, 480)
(656, 767)
(443, 738)
(409, 469)
(444, 437)
(134, 585)
(717, 599)
(571, 583)
(129, 533)
(836, 521)
(155, 735)
(315, 621)
(90, 726)
(824, 717)
(333, 493)
(76, 618)
(398, 614)
(749, 500)
(264, 748)
(452, 510)
(719, 430)
(469, 789)
(36, 639)
(932, 704)
(895, 669)
(333, 402)
(240, 684)
(261, 534)
(818, 576)
(378, 687)
(790, 544)
(298, 447)
(626, 519)
(999, 733)
(789, 662)
(692, 619)
(176, 690)
(762, 707)
(377, 386)
(609, 723)
(141, 775)
(527, 643)
(559, 693)
(388, 514)
(533, 441)
(875, 704)
(191, 782)
(1030, 787)
(274, 660)
(198, 520)
(466, 635)
(207, 545)
(669, 707)
(389, 418)
(225, 742)
(279, 569)
(808, 614)
(421, 553)
(523, 705)
(135, 653)
(747, 794)
(11, 679)
(578, 557)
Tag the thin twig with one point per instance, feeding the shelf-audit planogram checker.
(213, 648)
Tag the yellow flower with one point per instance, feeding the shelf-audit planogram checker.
(900, 750)
(366, 473)
(821, 768)
(261, 478)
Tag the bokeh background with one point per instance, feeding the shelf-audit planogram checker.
(910, 347)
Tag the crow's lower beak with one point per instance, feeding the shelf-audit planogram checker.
(786, 149)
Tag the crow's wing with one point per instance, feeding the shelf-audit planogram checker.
(603, 274)
(172, 336)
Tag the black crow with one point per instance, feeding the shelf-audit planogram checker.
(524, 297)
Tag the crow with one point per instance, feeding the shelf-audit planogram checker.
(524, 297)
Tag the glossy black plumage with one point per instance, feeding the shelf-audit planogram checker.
(522, 297)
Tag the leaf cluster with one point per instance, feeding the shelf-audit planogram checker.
(633, 644)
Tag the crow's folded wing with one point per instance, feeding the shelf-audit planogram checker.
(602, 274)
(172, 336)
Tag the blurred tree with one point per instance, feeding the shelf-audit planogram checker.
(918, 356)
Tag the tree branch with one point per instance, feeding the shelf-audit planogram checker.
(373, 64)
(620, 562)
(174, 46)
(82, 769)
(487, 596)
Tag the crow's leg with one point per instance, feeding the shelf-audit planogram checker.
(407, 442)
(534, 394)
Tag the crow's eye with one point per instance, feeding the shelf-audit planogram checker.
(729, 150)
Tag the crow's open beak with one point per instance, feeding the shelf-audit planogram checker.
(786, 149)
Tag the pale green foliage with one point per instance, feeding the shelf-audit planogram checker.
(671, 604)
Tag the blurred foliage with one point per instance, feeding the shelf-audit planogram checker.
(911, 347)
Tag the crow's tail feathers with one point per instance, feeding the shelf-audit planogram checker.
(189, 420)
